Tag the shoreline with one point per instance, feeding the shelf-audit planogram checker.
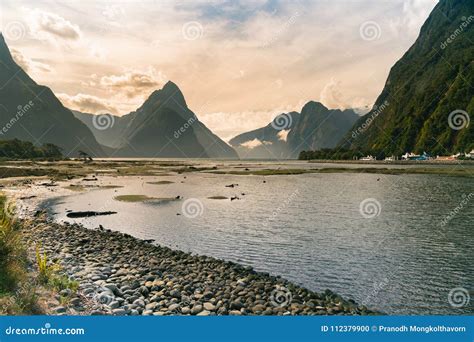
(119, 274)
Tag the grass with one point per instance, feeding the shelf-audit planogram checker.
(81, 188)
(6, 172)
(144, 198)
(17, 295)
(50, 276)
(267, 172)
(160, 182)
(454, 171)
(133, 198)
(18, 284)
(75, 187)
(458, 171)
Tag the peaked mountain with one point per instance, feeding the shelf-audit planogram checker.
(288, 134)
(31, 112)
(428, 98)
(320, 127)
(267, 142)
(163, 126)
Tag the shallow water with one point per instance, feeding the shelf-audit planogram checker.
(309, 229)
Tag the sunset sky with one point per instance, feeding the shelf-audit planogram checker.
(239, 64)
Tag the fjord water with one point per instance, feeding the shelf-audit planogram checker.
(309, 229)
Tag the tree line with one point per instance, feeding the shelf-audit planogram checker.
(18, 149)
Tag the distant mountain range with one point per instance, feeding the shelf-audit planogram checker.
(163, 126)
(31, 112)
(268, 142)
(425, 105)
(428, 97)
(315, 128)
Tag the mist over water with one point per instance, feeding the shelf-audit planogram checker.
(397, 256)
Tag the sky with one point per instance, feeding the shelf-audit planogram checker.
(238, 63)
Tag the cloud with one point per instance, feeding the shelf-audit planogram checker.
(133, 83)
(50, 26)
(28, 64)
(412, 16)
(114, 12)
(251, 144)
(229, 124)
(283, 134)
(331, 95)
(87, 103)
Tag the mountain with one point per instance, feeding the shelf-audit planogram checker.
(107, 128)
(268, 142)
(429, 94)
(319, 127)
(315, 128)
(31, 112)
(163, 126)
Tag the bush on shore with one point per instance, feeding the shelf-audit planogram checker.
(17, 295)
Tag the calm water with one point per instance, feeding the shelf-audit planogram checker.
(309, 229)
